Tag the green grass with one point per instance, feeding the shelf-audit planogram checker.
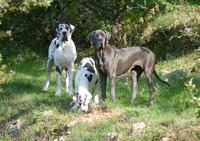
(187, 16)
(42, 116)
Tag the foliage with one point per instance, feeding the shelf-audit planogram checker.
(29, 24)
(4, 76)
(195, 99)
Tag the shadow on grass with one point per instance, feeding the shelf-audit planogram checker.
(23, 94)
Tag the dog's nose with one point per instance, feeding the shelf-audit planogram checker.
(64, 33)
(100, 40)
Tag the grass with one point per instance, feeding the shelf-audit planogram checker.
(187, 16)
(38, 115)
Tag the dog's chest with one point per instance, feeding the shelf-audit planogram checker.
(65, 54)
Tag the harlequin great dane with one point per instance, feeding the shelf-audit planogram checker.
(63, 52)
(85, 83)
(111, 61)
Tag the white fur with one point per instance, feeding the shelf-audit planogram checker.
(63, 51)
(84, 87)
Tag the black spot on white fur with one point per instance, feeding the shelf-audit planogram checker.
(89, 67)
(89, 77)
(91, 62)
(57, 45)
(58, 70)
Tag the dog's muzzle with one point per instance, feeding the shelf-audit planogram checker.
(64, 36)
(100, 45)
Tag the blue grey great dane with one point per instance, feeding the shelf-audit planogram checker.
(111, 61)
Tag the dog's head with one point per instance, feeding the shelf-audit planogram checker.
(64, 31)
(99, 38)
(82, 100)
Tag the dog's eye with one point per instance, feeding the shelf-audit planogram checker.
(60, 28)
(102, 35)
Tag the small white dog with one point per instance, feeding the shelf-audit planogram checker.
(85, 81)
(63, 52)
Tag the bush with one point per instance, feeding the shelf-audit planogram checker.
(195, 99)
(4, 76)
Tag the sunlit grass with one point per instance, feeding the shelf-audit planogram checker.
(42, 116)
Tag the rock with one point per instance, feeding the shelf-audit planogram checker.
(20, 59)
(196, 80)
(14, 128)
(178, 74)
(60, 139)
(139, 125)
(167, 139)
(37, 61)
(165, 71)
(48, 113)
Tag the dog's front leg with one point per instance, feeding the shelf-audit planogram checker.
(96, 96)
(58, 73)
(112, 87)
(103, 79)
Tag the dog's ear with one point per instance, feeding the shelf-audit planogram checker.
(56, 30)
(108, 35)
(90, 37)
(72, 28)
(75, 98)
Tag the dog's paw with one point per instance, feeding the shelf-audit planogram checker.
(44, 89)
(74, 107)
(67, 90)
(71, 104)
(58, 93)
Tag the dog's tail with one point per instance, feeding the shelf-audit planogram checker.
(160, 78)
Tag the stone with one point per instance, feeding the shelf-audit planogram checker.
(178, 74)
(139, 125)
(196, 80)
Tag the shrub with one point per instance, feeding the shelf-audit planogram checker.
(195, 100)
(4, 76)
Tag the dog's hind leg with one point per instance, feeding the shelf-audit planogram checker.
(48, 69)
(69, 79)
(135, 75)
(148, 75)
